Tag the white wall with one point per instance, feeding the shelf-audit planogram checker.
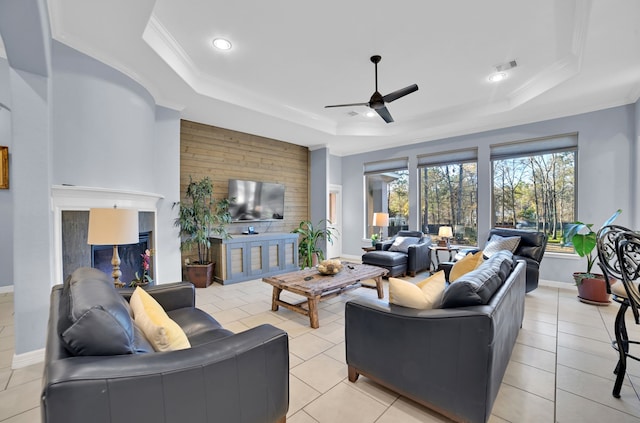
(606, 143)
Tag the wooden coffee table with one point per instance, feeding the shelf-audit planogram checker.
(316, 287)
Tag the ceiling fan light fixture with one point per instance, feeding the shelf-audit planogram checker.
(221, 44)
(497, 77)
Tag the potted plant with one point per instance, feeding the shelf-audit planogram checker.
(199, 217)
(592, 288)
(308, 249)
(144, 279)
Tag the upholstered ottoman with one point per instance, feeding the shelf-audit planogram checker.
(394, 262)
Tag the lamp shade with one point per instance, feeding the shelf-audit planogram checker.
(445, 232)
(113, 226)
(381, 219)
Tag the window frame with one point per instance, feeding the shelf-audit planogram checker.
(564, 143)
(447, 158)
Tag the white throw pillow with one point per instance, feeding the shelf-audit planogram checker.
(402, 243)
(498, 243)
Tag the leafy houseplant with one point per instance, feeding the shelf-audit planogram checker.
(308, 248)
(374, 239)
(199, 217)
(583, 239)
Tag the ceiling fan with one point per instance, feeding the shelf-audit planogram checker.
(377, 101)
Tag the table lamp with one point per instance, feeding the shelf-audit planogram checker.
(113, 227)
(381, 220)
(445, 232)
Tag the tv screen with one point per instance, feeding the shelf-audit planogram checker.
(252, 200)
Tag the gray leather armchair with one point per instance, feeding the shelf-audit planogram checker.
(530, 249)
(223, 377)
(399, 263)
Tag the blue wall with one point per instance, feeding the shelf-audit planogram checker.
(606, 165)
(6, 197)
(84, 124)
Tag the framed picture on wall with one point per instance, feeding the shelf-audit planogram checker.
(4, 167)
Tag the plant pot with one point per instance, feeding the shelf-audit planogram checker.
(201, 275)
(592, 290)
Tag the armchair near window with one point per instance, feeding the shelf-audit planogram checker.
(407, 252)
(530, 249)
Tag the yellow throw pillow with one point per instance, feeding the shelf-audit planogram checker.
(424, 295)
(163, 333)
(465, 265)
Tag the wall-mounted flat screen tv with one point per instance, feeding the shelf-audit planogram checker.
(251, 200)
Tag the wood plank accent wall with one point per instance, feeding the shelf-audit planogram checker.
(223, 154)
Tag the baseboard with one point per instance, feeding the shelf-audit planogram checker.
(349, 257)
(555, 284)
(6, 289)
(27, 359)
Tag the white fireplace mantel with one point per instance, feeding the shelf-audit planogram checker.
(66, 197)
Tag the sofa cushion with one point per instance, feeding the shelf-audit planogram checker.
(425, 294)
(475, 288)
(163, 333)
(384, 258)
(465, 265)
(198, 325)
(402, 243)
(497, 243)
(97, 320)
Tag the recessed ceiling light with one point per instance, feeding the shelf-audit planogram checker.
(497, 77)
(222, 44)
(370, 113)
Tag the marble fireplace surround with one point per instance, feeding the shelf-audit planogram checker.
(81, 198)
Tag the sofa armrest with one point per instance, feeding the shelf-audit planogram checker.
(183, 385)
(384, 245)
(418, 257)
(170, 296)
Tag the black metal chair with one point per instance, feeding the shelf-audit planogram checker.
(619, 257)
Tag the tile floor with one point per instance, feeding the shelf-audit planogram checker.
(560, 370)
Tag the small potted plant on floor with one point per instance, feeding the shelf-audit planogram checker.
(592, 288)
(308, 249)
(199, 217)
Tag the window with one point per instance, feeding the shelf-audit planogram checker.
(449, 194)
(387, 191)
(534, 186)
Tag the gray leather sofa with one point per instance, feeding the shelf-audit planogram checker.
(416, 258)
(451, 360)
(99, 368)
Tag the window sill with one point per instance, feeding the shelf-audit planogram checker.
(565, 256)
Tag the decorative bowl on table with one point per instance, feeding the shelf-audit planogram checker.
(329, 267)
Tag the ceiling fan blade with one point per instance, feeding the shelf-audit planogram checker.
(348, 105)
(400, 93)
(384, 114)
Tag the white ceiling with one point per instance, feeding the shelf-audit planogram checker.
(290, 58)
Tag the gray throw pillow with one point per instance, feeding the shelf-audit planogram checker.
(402, 243)
(475, 288)
(99, 318)
(497, 243)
